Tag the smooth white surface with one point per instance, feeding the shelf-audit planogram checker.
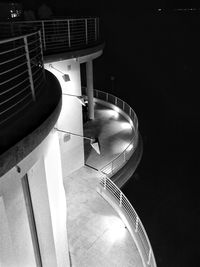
(70, 118)
(15, 222)
(7, 257)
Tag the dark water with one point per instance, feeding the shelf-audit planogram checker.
(155, 62)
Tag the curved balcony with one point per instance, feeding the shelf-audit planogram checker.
(90, 219)
(25, 89)
(59, 36)
(109, 108)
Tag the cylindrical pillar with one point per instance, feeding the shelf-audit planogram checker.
(89, 73)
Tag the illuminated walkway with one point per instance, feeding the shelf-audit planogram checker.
(97, 236)
(114, 133)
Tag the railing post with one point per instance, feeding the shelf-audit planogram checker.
(95, 28)
(149, 257)
(29, 68)
(69, 35)
(136, 224)
(43, 33)
(86, 32)
(41, 52)
(115, 101)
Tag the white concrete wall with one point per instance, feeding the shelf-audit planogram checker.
(49, 204)
(70, 119)
(43, 169)
(16, 248)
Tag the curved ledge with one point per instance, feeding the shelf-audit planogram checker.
(73, 54)
(21, 137)
(121, 177)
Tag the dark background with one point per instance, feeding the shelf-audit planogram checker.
(154, 57)
(155, 60)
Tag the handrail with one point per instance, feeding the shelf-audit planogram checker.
(58, 34)
(16, 38)
(21, 86)
(115, 164)
(132, 220)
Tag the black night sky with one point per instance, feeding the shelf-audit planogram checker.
(155, 59)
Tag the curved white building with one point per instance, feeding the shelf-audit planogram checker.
(66, 149)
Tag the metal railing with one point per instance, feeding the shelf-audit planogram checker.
(135, 225)
(113, 166)
(58, 35)
(138, 232)
(21, 73)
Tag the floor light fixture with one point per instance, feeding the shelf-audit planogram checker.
(65, 76)
(94, 142)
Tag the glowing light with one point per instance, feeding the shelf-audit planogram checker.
(116, 109)
(116, 229)
(112, 113)
(129, 148)
(125, 126)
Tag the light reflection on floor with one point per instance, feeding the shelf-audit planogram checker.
(114, 132)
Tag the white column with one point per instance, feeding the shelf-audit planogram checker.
(7, 256)
(70, 119)
(89, 73)
(16, 247)
(49, 205)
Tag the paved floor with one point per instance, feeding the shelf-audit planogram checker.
(114, 133)
(96, 234)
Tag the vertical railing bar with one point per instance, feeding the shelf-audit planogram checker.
(95, 28)
(69, 34)
(41, 51)
(43, 32)
(149, 256)
(86, 31)
(136, 224)
(29, 68)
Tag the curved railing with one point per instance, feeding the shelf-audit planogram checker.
(127, 212)
(21, 73)
(131, 220)
(58, 35)
(113, 166)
